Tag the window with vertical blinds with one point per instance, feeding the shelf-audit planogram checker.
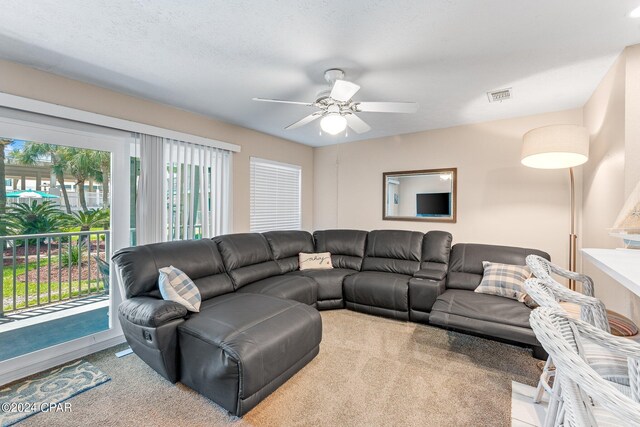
(182, 190)
(275, 196)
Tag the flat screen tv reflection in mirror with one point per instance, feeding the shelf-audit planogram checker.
(433, 204)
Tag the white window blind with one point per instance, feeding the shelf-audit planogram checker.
(275, 196)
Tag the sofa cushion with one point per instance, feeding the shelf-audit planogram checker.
(488, 315)
(393, 251)
(465, 262)
(298, 288)
(137, 267)
(329, 281)
(286, 245)
(247, 258)
(378, 289)
(483, 307)
(346, 246)
(150, 312)
(434, 260)
(241, 347)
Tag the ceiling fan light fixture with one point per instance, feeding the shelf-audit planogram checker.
(333, 123)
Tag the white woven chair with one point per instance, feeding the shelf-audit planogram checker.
(619, 324)
(588, 399)
(592, 310)
(543, 268)
(609, 365)
(549, 293)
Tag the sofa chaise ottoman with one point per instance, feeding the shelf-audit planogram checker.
(241, 347)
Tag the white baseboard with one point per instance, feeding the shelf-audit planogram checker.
(62, 357)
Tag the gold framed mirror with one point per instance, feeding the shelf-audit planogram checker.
(420, 195)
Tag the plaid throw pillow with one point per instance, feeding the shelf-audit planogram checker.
(504, 280)
(176, 286)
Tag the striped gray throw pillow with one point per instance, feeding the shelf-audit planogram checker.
(504, 280)
(176, 286)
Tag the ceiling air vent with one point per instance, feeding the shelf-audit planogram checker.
(499, 95)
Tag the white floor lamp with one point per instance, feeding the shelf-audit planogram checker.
(559, 147)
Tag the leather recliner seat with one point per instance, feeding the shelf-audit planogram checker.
(250, 263)
(382, 286)
(347, 251)
(458, 307)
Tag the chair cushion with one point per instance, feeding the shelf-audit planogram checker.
(608, 364)
(483, 307)
(504, 280)
(378, 289)
(176, 286)
(286, 245)
(329, 281)
(346, 246)
(298, 288)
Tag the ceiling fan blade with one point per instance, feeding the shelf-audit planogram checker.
(357, 124)
(387, 107)
(344, 90)
(281, 101)
(303, 121)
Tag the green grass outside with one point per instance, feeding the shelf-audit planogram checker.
(7, 286)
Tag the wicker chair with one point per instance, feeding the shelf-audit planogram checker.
(588, 399)
(607, 364)
(617, 323)
(549, 293)
(543, 269)
(591, 310)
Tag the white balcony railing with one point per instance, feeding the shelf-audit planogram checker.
(43, 269)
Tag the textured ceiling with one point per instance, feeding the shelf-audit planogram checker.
(212, 57)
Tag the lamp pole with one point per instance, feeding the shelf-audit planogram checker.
(572, 236)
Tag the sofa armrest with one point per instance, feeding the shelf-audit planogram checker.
(431, 273)
(151, 312)
(424, 292)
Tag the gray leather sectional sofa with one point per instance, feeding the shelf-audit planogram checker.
(259, 323)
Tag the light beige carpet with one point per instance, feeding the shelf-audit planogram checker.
(370, 371)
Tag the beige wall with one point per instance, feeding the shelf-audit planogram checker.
(632, 118)
(23, 81)
(611, 115)
(499, 200)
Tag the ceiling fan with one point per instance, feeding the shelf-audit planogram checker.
(337, 108)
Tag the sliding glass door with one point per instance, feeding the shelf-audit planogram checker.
(64, 208)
